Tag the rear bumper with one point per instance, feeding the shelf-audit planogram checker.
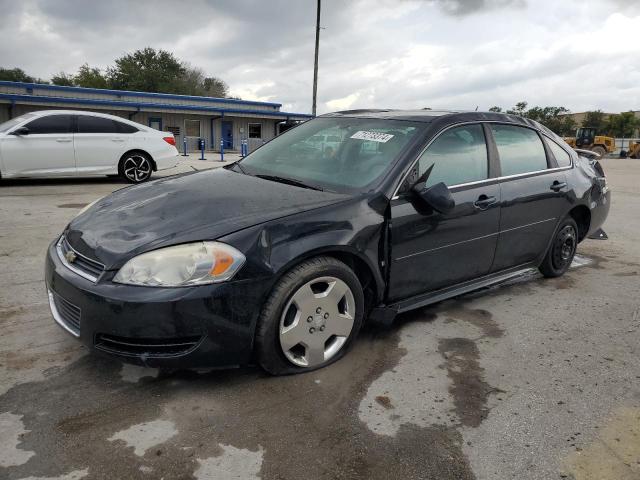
(203, 326)
(599, 211)
(167, 160)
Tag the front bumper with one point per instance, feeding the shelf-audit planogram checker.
(203, 326)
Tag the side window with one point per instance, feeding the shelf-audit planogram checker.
(520, 149)
(50, 124)
(561, 155)
(459, 155)
(125, 128)
(90, 124)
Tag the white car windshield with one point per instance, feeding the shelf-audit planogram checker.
(6, 126)
(334, 153)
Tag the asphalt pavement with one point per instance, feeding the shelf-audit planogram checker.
(536, 379)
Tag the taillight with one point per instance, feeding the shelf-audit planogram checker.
(170, 140)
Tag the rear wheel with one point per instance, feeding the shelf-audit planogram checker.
(562, 250)
(135, 167)
(311, 317)
(599, 150)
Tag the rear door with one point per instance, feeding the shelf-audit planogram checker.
(432, 250)
(46, 151)
(99, 144)
(534, 195)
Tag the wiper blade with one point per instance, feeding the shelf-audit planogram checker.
(290, 181)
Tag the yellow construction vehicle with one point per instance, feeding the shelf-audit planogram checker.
(634, 150)
(587, 139)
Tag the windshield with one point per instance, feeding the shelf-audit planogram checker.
(340, 154)
(5, 126)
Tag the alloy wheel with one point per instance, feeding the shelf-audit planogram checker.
(317, 321)
(137, 168)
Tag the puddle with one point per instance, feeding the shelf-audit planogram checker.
(73, 205)
(87, 417)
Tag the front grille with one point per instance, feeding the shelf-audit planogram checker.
(82, 265)
(65, 313)
(148, 347)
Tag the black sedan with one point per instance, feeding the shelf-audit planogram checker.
(280, 258)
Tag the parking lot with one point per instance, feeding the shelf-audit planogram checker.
(535, 379)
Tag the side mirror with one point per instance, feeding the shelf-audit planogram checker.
(436, 196)
(20, 131)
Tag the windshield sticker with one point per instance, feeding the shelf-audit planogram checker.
(372, 136)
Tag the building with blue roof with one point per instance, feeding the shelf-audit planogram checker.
(188, 117)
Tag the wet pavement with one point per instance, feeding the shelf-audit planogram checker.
(534, 379)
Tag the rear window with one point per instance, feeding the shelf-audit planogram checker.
(125, 127)
(560, 154)
(91, 124)
(520, 149)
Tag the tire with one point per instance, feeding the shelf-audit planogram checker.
(562, 249)
(311, 317)
(135, 167)
(599, 150)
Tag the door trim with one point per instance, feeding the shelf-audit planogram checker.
(434, 296)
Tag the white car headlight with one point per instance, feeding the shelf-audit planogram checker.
(183, 265)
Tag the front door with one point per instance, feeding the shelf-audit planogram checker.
(46, 150)
(431, 250)
(534, 196)
(227, 134)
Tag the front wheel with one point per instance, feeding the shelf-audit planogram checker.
(311, 317)
(136, 167)
(562, 250)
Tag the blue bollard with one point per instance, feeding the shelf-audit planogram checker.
(202, 149)
(222, 150)
(184, 147)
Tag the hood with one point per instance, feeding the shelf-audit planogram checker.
(200, 206)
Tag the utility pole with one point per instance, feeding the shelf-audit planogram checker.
(315, 64)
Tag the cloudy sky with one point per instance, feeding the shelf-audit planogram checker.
(454, 54)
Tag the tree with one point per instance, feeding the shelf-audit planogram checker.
(63, 79)
(15, 75)
(623, 125)
(519, 109)
(596, 119)
(555, 119)
(90, 77)
(147, 70)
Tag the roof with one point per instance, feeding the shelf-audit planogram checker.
(442, 117)
(413, 115)
(428, 116)
(22, 92)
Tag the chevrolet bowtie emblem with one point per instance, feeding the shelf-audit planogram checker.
(70, 256)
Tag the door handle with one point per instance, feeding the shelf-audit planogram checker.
(63, 140)
(117, 139)
(484, 202)
(557, 186)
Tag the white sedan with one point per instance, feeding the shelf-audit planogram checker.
(65, 143)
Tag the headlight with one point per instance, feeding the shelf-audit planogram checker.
(183, 265)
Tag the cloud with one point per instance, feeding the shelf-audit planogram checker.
(469, 7)
(373, 53)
